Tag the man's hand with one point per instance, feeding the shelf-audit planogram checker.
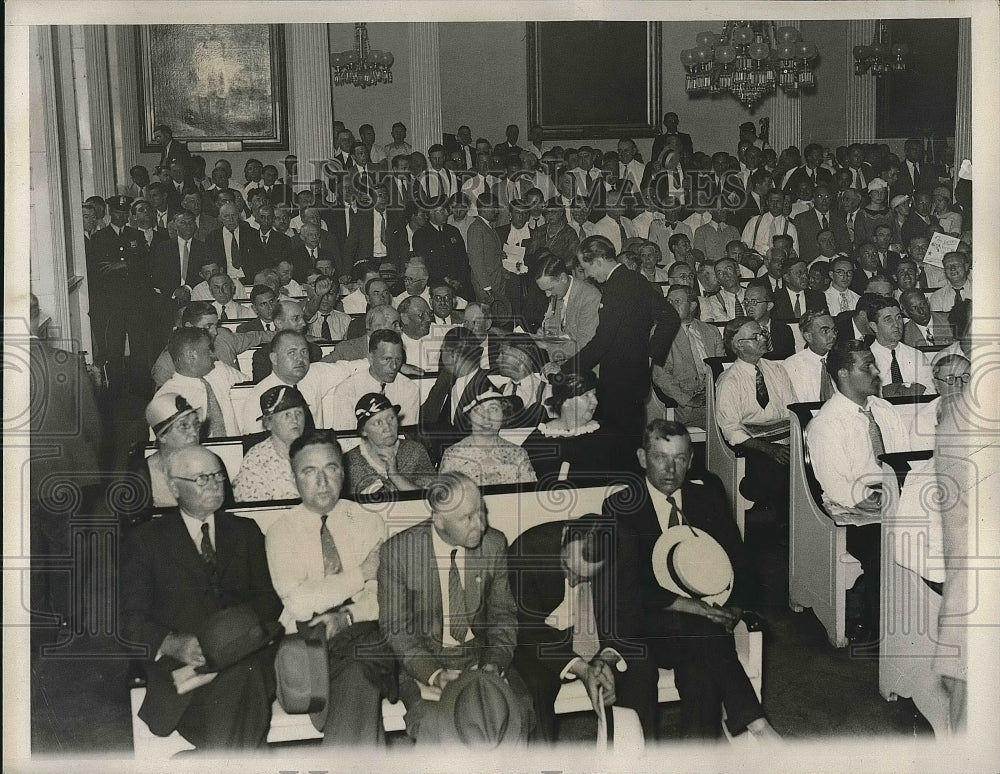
(776, 451)
(595, 675)
(334, 621)
(184, 648)
(446, 676)
(182, 294)
(407, 369)
(725, 616)
(873, 502)
(111, 267)
(324, 285)
(369, 567)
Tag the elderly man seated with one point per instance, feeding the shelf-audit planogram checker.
(420, 347)
(181, 575)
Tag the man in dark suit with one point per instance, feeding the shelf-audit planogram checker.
(180, 570)
(854, 325)
(794, 298)
(235, 246)
(486, 258)
(917, 176)
(274, 247)
(308, 248)
(435, 636)
(630, 307)
(758, 299)
(819, 218)
(174, 266)
(276, 191)
(551, 566)
(920, 222)
(443, 250)
(262, 299)
(172, 149)
(923, 327)
(685, 633)
(759, 184)
(164, 206)
(811, 170)
(685, 146)
(369, 233)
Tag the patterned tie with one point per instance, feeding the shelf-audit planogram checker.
(458, 616)
(895, 372)
(928, 336)
(761, 389)
(737, 307)
(825, 382)
(844, 306)
(767, 339)
(586, 642)
(874, 433)
(213, 412)
(797, 308)
(207, 552)
(331, 558)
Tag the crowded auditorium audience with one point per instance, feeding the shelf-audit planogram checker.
(430, 326)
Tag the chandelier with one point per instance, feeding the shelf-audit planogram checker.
(880, 57)
(362, 66)
(747, 60)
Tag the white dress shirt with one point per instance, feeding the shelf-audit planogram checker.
(840, 300)
(423, 353)
(355, 302)
(760, 229)
(518, 236)
(840, 449)
(943, 299)
(295, 560)
(736, 398)
(913, 365)
(296, 224)
(320, 379)
(200, 292)
(220, 378)
(804, 372)
(234, 311)
(634, 171)
(338, 325)
(403, 392)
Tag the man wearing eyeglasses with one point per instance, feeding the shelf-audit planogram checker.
(178, 571)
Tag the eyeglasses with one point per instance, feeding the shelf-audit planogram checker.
(754, 301)
(843, 272)
(953, 379)
(202, 479)
(758, 336)
(441, 298)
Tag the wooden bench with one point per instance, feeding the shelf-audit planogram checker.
(909, 609)
(724, 460)
(512, 510)
(820, 570)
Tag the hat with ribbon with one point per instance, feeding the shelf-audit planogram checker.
(302, 669)
(689, 562)
(232, 634)
(165, 409)
(280, 398)
(479, 709)
(371, 404)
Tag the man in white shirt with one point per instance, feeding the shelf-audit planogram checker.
(904, 370)
(519, 373)
(438, 180)
(201, 291)
(581, 222)
(585, 171)
(323, 557)
(290, 365)
(845, 439)
(839, 296)
(376, 154)
(398, 146)
(727, 304)
(959, 287)
(806, 369)
(628, 165)
(751, 410)
(357, 301)
(222, 288)
(415, 277)
(329, 324)
(614, 225)
(535, 141)
(385, 357)
(203, 381)
(421, 349)
(760, 229)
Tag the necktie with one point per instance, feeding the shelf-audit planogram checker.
(825, 381)
(381, 228)
(213, 412)
(767, 338)
(797, 308)
(928, 336)
(674, 519)
(312, 254)
(324, 330)
(458, 624)
(163, 220)
(894, 371)
(223, 317)
(381, 388)
(184, 262)
(958, 298)
(874, 433)
(761, 389)
(844, 306)
(586, 642)
(235, 251)
(737, 307)
(331, 557)
(621, 229)
(268, 326)
(824, 222)
(207, 552)
(263, 239)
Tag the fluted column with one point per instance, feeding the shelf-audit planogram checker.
(309, 96)
(860, 88)
(102, 149)
(425, 85)
(126, 112)
(963, 101)
(786, 112)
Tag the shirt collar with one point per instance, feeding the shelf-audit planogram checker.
(193, 526)
(442, 549)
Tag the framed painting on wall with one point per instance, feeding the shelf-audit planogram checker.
(622, 83)
(214, 83)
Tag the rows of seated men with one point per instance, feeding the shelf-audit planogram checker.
(542, 290)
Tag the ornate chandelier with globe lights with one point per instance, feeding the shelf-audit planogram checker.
(882, 56)
(747, 60)
(362, 66)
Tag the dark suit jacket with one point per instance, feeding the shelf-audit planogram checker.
(302, 262)
(782, 341)
(823, 176)
(704, 506)
(251, 250)
(750, 210)
(844, 324)
(175, 149)
(445, 255)
(165, 266)
(278, 247)
(128, 247)
(783, 311)
(808, 226)
(360, 244)
(399, 247)
(537, 582)
(410, 608)
(166, 588)
(914, 225)
(660, 142)
(861, 278)
(925, 182)
(280, 194)
(435, 414)
(485, 259)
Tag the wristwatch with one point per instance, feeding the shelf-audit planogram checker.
(350, 617)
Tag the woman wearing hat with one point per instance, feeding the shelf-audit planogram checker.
(175, 424)
(556, 236)
(384, 462)
(484, 456)
(571, 444)
(875, 214)
(943, 210)
(266, 471)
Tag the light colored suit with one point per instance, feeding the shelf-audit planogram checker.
(939, 328)
(582, 314)
(486, 262)
(680, 377)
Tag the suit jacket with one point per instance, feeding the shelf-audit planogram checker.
(175, 149)
(128, 247)
(206, 225)
(823, 176)
(278, 247)
(435, 414)
(252, 257)
(680, 376)
(165, 266)
(582, 317)
(783, 310)
(399, 247)
(925, 182)
(166, 588)
(914, 226)
(445, 255)
(349, 349)
(485, 259)
(861, 279)
(360, 244)
(302, 261)
(750, 210)
(538, 586)
(782, 341)
(411, 614)
(939, 327)
(704, 506)
(808, 226)
(280, 194)
(844, 324)
(660, 142)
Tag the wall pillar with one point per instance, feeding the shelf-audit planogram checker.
(860, 88)
(786, 112)
(310, 103)
(963, 101)
(425, 85)
(93, 85)
(126, 112)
